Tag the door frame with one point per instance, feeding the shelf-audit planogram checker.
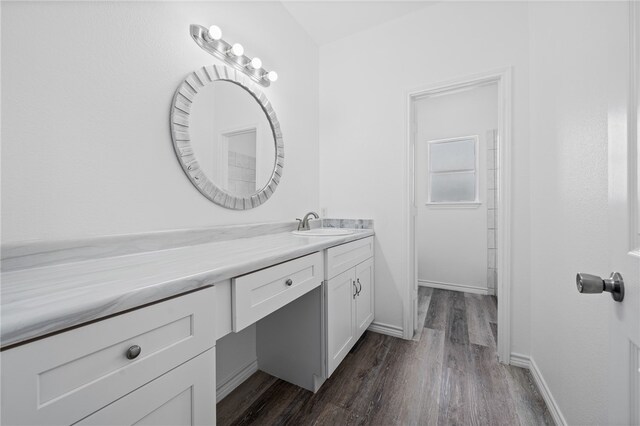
(503, 78)
(222, 156)
(633, 126)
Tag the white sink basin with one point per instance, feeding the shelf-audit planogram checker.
(324, 232)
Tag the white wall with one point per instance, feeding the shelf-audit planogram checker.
(452, 241)
(86, 94)
(577, 53)
(565, 57)
(363, 101)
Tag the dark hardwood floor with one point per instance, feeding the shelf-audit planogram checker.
(447, 375)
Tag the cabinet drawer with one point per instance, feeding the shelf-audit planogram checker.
(65, 377)
(182, 397)
(346, 256)
(256, 295)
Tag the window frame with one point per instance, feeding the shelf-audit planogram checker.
(451, 204)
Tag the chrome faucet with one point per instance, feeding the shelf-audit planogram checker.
(303, 224)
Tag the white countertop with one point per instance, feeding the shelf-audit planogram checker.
(42, 300)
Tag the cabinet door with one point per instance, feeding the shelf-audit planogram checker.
(364, 300)
(340, 317)
(184, 396)
(65, 377)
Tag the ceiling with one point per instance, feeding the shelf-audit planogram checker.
(328, 21)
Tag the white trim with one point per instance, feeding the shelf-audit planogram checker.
(520, 360)
(503, 205)
(552, 405)
(223, 147)
(455, 287)
(388, 329)
(236, 379)
(633, 126)
(501, 77)
(524, 361)
(461, 205)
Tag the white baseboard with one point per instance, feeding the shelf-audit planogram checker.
(519, 360)
(552, 405)
(236, 380)
(455, 287)
(389, 330)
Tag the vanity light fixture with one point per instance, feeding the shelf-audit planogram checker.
(236, 50)
(211, 41)
(256, 63)
(271, 76)
(215, 32)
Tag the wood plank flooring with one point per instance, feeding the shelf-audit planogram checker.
(447, 375)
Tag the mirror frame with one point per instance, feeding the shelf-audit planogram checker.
(180, 114)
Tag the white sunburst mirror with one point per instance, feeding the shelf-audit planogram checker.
(227, 137)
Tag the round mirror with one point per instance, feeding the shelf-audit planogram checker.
(227, 137)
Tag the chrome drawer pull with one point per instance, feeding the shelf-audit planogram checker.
(133, 352)
(289, 282)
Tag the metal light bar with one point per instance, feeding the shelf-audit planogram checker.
(210, 40)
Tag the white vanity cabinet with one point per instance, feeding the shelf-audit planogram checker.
(154, 365)
(349, 297)
(181, 397)
(364, 297)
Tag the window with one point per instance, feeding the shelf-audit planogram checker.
(453, 171)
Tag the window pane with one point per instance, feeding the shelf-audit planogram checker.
(458, 155)
(453, 187)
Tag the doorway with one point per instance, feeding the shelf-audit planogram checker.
(238, 157)
(458, 176)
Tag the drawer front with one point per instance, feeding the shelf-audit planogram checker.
(182, 397)
(346, 256)
(256, 295)
(65, 377)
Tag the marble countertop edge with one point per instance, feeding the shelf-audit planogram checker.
(32, 309)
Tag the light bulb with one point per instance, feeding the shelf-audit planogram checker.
(236, 50)
(256, 63)
(215, 32)
(272, 76)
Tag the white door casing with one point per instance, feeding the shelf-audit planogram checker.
(503, 79)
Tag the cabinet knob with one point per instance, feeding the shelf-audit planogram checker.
(289, 282)
(133, 352)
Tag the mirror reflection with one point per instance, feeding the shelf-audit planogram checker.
(231, 138)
